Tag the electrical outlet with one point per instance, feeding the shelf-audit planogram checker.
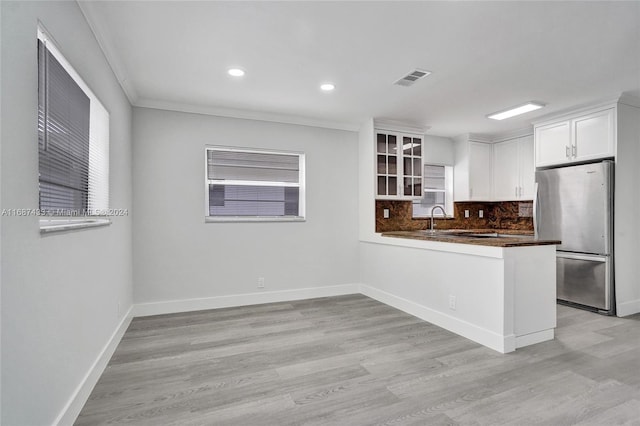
(480, 213)
(452, 302)
(466, 213)
(261, 282)
(385, 213)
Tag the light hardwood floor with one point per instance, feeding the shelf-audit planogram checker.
(351, 360)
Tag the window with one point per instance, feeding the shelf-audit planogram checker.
(73, 142)
(437, 191)
(252, 184)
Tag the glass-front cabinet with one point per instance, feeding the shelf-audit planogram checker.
(399, 165)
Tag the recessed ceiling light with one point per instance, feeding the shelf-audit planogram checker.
(236, 72)
(517, 110)
(327, 87)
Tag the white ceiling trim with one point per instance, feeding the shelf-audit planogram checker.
(400, 126)
(247, 115)
(579, 109)
(514, 134)
(102, 36)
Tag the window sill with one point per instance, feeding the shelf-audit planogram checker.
(48, 226)
(219, 219)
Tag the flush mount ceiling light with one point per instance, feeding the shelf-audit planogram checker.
(327, 87)
(235, 72)
(517, 110)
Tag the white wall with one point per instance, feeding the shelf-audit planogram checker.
(627, 205)
(439, 150)
(178, 256)
(0, 219)
(366, 182)
(60, 293)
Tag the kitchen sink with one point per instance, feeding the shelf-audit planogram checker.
(452, 233)
(498, 235)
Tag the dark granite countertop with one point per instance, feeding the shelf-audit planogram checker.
(479, 237)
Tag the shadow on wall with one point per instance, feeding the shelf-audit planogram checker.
(516, 215)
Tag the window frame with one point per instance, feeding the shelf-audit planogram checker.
(448, 192)
(93, 216)
(301, 185)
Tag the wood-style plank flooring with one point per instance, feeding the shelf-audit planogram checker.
(351, 360)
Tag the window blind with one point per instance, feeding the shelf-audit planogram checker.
(253, 184)
(434, 193)
(63, 138)
(434, 177)
(253, 166)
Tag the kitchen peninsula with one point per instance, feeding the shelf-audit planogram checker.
(498, 291)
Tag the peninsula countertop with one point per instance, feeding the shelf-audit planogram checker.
(481, 237)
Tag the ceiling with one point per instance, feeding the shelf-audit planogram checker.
(484, 57)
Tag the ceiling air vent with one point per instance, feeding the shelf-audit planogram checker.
(412, 77)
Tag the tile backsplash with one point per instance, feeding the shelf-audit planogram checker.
(496, 215)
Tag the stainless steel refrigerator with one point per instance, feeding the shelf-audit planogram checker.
(574, 204)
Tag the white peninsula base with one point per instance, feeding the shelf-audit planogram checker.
(501, 297)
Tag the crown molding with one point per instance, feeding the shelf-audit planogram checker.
(246, 114)
(101, 34)
(400, 126)
(512, 134)
(479, 137)
(472, 137)
(622, 98)
(630, 100)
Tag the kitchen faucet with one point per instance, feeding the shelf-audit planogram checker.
(432, 210)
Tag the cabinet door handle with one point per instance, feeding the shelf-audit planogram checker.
(520, 192)
(516, 191)
(567, 151)
(574, 150)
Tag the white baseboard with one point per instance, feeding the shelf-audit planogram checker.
(465, 329)
(199, 304)
(533, 338)
(70, 412)
(628, 308)
(480, 335)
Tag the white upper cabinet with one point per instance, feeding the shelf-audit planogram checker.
(553, 143)
(472, 175)
(527, 168)
(513, 169)
(506, 178)
(479, 171)
(594, 135)
(398, 165)
(581, 137)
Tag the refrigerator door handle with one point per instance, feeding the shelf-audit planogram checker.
(576, 256)
(536, 200)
